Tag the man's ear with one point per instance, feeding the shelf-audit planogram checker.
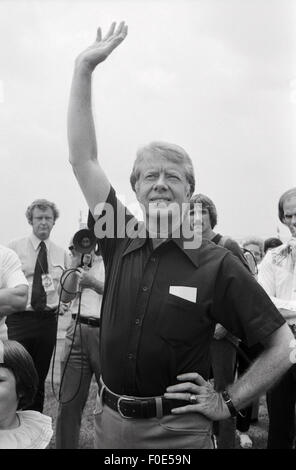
(188, 192)
(136, 187)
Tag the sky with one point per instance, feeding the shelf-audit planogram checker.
(217, 77)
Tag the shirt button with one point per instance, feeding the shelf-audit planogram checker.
(138, 321)
(145, 288)
(130, 356)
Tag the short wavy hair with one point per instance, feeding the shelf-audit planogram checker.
(253, 240)
(283, 197)
(41, 204)
(206, 202)
(171, 152)
(20, 363)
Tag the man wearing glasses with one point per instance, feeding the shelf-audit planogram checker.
(277, 275)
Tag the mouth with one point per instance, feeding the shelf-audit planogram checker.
(160, 201)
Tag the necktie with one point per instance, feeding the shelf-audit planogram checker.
(38, 299)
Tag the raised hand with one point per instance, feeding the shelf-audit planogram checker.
(102, 47)
(201, 397)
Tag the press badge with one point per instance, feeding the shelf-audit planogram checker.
(47, 282)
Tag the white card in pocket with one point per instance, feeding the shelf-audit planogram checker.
(184, 292)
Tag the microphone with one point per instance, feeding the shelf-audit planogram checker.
(85, 261)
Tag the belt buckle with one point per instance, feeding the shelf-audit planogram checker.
(118, 407)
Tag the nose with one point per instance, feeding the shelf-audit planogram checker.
(294, 219)
(160, 183)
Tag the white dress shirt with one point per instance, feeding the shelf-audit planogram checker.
(11, 275)
(90, 300)
(277, 275)
(27, 249)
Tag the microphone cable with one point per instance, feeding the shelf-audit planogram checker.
(63, 279)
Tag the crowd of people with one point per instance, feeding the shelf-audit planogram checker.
(183, 328)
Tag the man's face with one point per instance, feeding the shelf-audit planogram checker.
(206, 222)
(161, 190)
(205, 219)
(255, 250)
(161, 183)
(289, 208)
(42, 222)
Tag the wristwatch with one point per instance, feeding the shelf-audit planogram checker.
(229, 403)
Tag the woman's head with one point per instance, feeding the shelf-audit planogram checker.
(15, 358)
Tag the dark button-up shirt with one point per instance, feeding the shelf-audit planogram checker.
(161, 305)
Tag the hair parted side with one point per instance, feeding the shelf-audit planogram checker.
(171, 152)
(208, 204)
(20, 363)
(287, 195)
(41, 204)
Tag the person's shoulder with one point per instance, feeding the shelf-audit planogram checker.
(4, 249)
(54, 246)
(230, 243)
(7, 253)
(15, 242)
(32, 415)
(210, 248)
(274, 255)
(37, 427)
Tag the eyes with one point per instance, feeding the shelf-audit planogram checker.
(289, 216)
(39, 219)
(169, 177)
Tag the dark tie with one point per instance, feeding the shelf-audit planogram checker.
(38, 299)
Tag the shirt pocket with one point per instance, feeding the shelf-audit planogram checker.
(179, 319)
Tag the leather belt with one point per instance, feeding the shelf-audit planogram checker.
(91, 321)
(130, 407)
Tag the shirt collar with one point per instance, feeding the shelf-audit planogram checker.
(179, 240)
(191, 253)
(138, 241)
(36, 241)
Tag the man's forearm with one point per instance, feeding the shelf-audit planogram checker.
(265, 371)
(98, 286)
(13, 299)
(81, 128)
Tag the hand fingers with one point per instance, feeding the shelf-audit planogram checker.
(181, 396)
(99, 34)
(188, 409)
(192, 376)
(110, 32)
(121, 28)
(184, 387)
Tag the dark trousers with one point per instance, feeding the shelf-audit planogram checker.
(36, 331)
(281, 400)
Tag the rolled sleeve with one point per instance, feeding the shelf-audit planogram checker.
(243, 307)
(12, 274)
